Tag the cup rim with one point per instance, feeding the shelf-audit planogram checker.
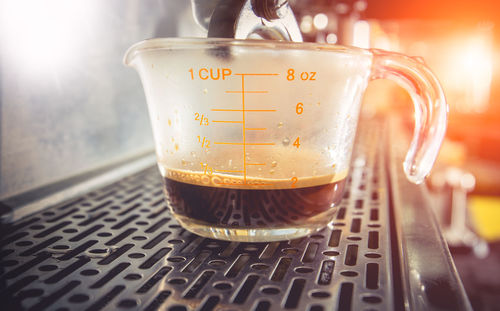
(194, 43)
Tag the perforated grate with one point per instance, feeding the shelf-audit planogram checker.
(119, 248)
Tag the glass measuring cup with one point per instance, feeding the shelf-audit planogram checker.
(254, 137)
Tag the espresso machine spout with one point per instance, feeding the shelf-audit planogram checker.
(247, 19)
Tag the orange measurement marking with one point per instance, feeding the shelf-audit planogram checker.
(245, 110)
(256, 163)
(220, 121)
(257, 74)
(255, 128)
(247, 92)
(244, 144)
(225, 110)
(229, 171)
(243, 129)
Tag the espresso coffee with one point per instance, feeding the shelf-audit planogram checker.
(207, 204)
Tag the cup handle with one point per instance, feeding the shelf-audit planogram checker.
(430, 105)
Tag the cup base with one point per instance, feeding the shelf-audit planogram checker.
(248, 234)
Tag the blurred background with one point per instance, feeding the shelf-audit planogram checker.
(69, 106)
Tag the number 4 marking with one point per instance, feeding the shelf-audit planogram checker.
(296, 143)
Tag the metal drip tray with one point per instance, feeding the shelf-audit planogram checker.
(119, 248)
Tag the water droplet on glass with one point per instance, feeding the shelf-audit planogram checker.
(274, 163)
(271, 172)
(169, 122)
(205, 91)
(286, 141)
(193, 154)
(280, 125)
(183, 162)
(176, 147)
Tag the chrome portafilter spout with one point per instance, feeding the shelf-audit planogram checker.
(247, 19)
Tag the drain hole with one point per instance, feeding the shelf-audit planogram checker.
(354, 238)
(158, 300)
(372, 299)
(292, 301)
(46, 268)
(341, 213)
(316, 236)
(373, 240)
(290, 251)
(251, 248)
(238, 264)
(310, 252)
(345, 296)
(356, 225)
(303, 270)
(374, 214)
(177, 308)
(375, 195)
(150, 283)
(104, 234)
(319, 294)
(351, 255)
(175, 241)
(24, 243)
(197, 261)
(210, 303)
(98, 251)
(223, 285)
(139, 238)
(373, 255)
(136, 255)
(331, 253)
(281, 268)
(372, 276)
(217, 263)
(37, 227)
(325, 276)
(176, 259)
(358, 203)
(33, 292)
(334, 238)
(79, 298)
(246, 289)
(270, 290)
(374, 225)
(316, 308)
(59, 247)
(177, 281)
(259, 266)
(89, 272)
(133, 277)
(198, 284)
(70, 230)
(349, 273)
(127, 303)
(263, 305)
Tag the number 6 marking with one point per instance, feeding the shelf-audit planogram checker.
(299, 108)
